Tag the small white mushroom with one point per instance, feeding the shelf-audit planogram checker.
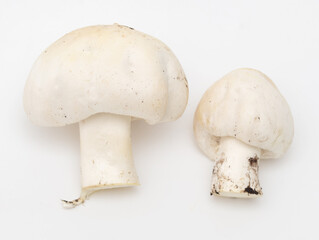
(241, 119)
(102, 77)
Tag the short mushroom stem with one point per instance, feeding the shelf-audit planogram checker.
(106, 155)
(235, 173)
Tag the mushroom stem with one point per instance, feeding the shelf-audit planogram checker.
(106, 155)
(235, 173)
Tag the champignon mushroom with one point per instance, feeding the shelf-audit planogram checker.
(241, 119)
(103, 77)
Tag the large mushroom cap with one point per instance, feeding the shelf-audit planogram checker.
(244, 104)
(112, 69)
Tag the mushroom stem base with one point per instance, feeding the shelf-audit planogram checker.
(235, 173)
(106, 155)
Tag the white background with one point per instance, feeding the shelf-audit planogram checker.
(40, 166)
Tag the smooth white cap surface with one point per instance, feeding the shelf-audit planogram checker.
(112, 69)
(244, 104)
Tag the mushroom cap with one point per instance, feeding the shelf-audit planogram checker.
(244, 104)
(113, 69)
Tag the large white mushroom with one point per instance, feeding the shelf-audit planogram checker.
(241, 119)
(102, 77)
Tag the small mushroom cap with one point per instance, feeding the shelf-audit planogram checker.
(244, 104)
(112, 69)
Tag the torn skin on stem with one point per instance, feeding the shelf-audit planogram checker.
(75, 202)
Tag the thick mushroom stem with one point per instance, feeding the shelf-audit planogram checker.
(235, 173)
(106, 155)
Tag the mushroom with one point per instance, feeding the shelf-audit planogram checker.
(103, 77)
(241, 119)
